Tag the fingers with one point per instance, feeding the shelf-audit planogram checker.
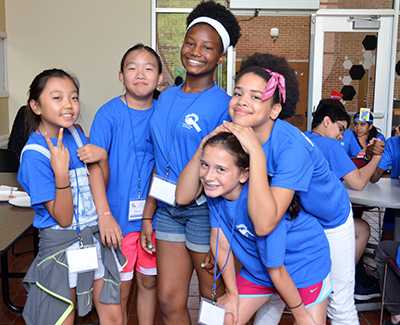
(48, 141)
(60, 137)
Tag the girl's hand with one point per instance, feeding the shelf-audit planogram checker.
(305, 319)
(208, 263)
(146, 236)
(218, 129)
(90, 153)
(110, 231)
(230, 302)
(245, 135)
(59, 155)
(375, 147)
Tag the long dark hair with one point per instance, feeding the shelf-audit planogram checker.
(36, 88)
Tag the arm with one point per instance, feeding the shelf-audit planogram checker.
(61, 208)
(189, 186)
(359, 178)
(289, 293)
(91, 153)
(147, 226)
(231, 297)
(109, 229)
(266, 204)
(377, 175)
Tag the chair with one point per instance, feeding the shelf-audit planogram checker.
(392, 266)
(8, 161)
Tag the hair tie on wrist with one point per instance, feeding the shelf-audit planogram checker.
(297, 306)
(64, 187)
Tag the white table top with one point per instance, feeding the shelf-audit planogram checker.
(383, 194)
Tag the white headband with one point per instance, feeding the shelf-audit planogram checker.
(222, 32)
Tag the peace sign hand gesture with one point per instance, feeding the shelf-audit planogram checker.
(59, 155)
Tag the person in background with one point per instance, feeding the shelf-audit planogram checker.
(330, 120)
(389, 250)
(19, 134)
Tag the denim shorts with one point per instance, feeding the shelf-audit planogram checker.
(187, 224)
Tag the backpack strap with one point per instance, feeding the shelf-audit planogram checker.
(38, 148)
(75, 134)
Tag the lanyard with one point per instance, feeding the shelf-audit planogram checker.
(216, 274)
(76, 211)
(175, 127)
(137, 166)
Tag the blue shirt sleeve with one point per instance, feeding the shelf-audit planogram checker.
(294, 168)
(37, 177)
(339, 162)
(387, 157)
(101, 130)
(272, 248)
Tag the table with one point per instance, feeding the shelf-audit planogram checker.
(14, 222)
(383, 194)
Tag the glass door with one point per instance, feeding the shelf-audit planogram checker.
(353, 53)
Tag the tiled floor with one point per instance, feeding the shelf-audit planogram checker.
(18, 295)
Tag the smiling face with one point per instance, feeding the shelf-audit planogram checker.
(140, 74)
(201, 50)
(220, 174)
(58, 105)
(246, 107)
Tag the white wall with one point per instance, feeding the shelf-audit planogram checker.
(85, 37)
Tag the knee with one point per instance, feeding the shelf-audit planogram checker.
(170, 302)
(147, 282)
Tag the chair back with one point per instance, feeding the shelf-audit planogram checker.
(8, 161)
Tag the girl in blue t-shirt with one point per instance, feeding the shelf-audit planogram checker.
(293, 259)
(266, 93)
(185, 114)
(67, 215)
(120, 139)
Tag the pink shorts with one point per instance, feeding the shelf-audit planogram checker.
(137, 258)
(310, 296)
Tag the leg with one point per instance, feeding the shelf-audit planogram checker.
(362, 232)
(125, 290)
(175, 270)
(146, 298)
(318, 312)
(341, 307)
(109, 314)
(248, 307)
(271, 312)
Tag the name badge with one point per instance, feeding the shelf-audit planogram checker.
(163, 190)
(201, 199)
(210, 313)
(82, 259)
(136, 208)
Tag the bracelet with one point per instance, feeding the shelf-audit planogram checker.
(63, 188)
(147, 218)
(297, 306)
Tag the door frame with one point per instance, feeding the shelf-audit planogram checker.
(325, 20)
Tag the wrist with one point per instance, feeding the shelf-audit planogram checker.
(105, 214)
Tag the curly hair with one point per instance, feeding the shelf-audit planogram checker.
(258, 62)
(218, 12)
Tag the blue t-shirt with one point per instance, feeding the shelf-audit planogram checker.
(300, 244)
(351, 144)
(125, 134)
(295, 163)
(180, 122)
(37, 178)
(391, 157)
(339, 162)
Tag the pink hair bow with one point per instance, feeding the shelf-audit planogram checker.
(275, 80)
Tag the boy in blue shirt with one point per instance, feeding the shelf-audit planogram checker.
(328, 125)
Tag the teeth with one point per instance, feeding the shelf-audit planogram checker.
(194, 62)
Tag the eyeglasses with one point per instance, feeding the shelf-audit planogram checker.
(341, 126)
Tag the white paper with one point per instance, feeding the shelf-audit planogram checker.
(82, 259)
(211, 314)
(163, 190)
(136, 208)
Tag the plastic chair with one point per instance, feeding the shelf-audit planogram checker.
(392, 265)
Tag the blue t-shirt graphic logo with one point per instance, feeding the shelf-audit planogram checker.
(190, 121)
(242, 228)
